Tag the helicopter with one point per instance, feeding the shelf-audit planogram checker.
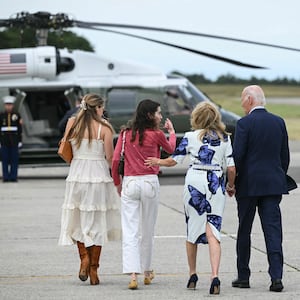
(48, 81)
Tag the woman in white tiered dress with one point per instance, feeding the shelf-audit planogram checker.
(90, 212)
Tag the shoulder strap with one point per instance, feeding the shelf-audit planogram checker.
(99, 131)
(67, 132)
(123, 142)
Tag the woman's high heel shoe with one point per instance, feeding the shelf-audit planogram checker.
(192, 281)
(215, 286)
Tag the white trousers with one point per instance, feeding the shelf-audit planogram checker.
(139, 208)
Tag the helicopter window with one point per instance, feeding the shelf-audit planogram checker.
(154, 94)
(185, 92)
(176, 102)
(65, 64)
(121, 102)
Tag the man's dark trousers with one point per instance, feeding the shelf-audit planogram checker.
(270, 217)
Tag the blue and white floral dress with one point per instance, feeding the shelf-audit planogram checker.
(204, 189)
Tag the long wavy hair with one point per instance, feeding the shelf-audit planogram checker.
(143, 119)
(207, 117)
(85, 116)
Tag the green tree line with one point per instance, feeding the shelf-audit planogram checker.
(16, 38)
(231, 79)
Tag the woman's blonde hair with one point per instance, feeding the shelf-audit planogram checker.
(207, 117)
(83, 120)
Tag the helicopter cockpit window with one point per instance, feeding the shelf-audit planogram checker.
(185, 92)
(177, 102)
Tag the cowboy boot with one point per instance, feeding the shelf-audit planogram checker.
(94, 254)
(85, 261)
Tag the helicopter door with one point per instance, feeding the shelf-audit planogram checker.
(29, 127)
(20, 97)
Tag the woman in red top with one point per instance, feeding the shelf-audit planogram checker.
(139, 188)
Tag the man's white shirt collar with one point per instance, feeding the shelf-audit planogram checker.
(256, 107)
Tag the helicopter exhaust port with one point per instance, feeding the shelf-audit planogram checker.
(41, 62)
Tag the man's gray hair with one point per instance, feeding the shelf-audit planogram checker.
(257, 93)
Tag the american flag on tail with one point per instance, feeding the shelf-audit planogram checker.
(12, 63)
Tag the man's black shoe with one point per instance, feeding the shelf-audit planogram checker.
(276, 285)
(239, 283)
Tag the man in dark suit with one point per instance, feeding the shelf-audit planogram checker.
(71, 112)
(261, 155)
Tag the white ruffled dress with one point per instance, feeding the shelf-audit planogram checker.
(91, 208)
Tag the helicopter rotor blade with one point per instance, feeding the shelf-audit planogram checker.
(213, 56)
(61, 20)
(80, 23)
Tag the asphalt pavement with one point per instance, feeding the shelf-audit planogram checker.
(33, 266)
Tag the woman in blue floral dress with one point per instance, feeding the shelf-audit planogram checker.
(211, 165)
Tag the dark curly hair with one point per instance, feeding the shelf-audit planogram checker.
(143, 119)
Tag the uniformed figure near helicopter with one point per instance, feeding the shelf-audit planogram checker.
(10, 139)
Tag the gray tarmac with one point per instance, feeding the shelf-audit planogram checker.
(33, 266)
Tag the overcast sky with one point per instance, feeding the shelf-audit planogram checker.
(267, 21)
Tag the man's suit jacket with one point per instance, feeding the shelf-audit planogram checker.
(261, 154)
(63, 122)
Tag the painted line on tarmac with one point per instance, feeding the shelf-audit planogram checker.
(180, 236)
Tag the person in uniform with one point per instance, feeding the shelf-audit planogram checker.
(10, 139)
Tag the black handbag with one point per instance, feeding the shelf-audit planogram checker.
(291, 183)
(122, 157)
